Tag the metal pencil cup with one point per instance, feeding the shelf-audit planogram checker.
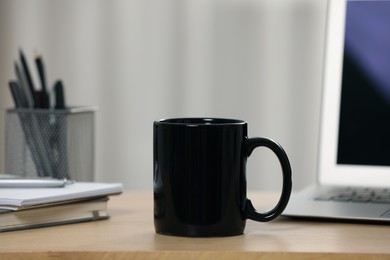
(51, 143)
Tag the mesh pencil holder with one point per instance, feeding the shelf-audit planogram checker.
(56, 143)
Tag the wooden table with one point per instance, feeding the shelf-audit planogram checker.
(129, 233)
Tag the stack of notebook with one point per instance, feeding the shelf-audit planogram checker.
(23, 208)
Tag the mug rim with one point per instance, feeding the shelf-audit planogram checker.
(200, 121)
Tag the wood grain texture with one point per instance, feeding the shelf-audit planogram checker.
(129, 233)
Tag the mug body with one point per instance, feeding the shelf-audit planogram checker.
(199, 176)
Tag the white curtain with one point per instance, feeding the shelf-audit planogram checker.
(142, 60)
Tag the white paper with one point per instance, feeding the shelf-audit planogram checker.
(33, 196)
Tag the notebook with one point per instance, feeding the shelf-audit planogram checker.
(354, 148)
(54, 214)
(24, 198)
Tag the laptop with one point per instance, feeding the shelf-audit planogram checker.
(354, 148)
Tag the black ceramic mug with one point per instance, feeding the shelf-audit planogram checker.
(200, 177)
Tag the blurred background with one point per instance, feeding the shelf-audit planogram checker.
(142, 60)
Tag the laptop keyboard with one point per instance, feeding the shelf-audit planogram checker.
(369, 195)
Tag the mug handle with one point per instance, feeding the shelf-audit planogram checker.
(251, 213)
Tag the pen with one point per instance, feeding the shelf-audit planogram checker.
(23, 85)
(33, 183)
(59, 95)
(41, 71)
(28, 78)
(17, 95)
(26, 120)
(62, 162)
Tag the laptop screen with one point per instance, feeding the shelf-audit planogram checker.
(364, 123)
(354, 144)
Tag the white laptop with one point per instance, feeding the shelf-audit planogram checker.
(354, 150)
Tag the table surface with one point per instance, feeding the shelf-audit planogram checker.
(130, 233)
